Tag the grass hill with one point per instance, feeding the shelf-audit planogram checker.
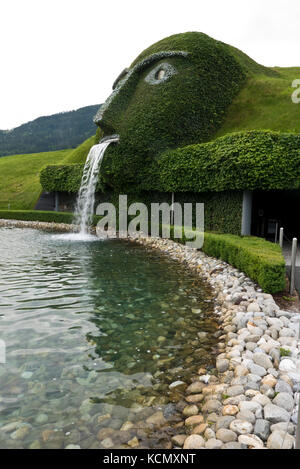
(265, 103)
(20, 185)
(48, 133)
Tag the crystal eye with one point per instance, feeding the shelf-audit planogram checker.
(160, 73)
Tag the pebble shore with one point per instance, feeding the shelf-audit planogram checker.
(253, 401)
(38, 225)
(250, 401)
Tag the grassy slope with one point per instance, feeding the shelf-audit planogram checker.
(265, 103)
(20, 174)
(20, 178)
(80, 153)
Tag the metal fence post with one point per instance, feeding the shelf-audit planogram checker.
(293, 265)
(281, 237)
(172, 209)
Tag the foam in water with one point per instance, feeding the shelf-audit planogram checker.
(84, 210)
(84, 237)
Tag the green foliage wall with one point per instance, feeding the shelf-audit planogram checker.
(222, 210)
(245, 160)
(188, 107)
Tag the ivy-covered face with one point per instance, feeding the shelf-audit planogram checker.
(174, 94)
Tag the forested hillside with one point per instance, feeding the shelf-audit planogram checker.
(56, 132)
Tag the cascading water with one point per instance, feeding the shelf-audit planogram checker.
(84, 209)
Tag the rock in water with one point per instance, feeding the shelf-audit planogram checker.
(194, 442)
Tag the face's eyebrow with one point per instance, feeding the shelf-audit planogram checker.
(158, 56)
(127, 73)
(147, 61)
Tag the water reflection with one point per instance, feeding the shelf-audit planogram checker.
(95, 333)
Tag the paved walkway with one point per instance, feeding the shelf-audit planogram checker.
(287, 251)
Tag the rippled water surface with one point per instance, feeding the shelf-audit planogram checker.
(95, 332)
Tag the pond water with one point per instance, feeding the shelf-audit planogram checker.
(95, 333)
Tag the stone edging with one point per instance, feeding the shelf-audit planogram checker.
(38, 225)
(252, 402)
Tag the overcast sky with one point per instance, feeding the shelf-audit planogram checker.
(59, 55)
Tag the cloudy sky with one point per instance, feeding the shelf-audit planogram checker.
(59, 55)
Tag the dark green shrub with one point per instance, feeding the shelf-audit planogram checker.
(245, 160)
(61, 178)
(37, 215)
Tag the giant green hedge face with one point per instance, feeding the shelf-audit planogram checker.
(174, 94)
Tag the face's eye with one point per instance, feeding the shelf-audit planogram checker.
(160, 73)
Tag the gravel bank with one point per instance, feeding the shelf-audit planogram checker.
(252, 401)
(38, 225)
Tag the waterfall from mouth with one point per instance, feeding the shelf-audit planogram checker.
(84, 209)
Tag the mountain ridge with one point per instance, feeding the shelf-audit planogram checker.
(49, 133)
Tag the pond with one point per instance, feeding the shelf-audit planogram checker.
(95, 333)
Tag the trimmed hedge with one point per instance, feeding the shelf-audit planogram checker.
(61, 178)
(257, 159)
(260, 260)
(37, 215)
(223, 210)
(251, 160)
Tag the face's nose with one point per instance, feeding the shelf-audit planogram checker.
(107, 115)
(122, 75)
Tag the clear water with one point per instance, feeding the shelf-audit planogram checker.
(84, 209)
(95, 333)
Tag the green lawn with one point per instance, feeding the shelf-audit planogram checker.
(265, 103)
(20, 178)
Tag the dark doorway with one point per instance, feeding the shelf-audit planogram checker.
(274, 209)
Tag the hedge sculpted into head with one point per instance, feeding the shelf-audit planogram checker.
(181, 130)
(174, 94)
